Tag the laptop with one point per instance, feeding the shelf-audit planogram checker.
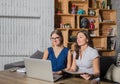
(40, 69)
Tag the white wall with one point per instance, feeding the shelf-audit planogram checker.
(25, 26)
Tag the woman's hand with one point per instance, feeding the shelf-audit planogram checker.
(87, 76)
(67, 69)
(58, 72)
(72, 70)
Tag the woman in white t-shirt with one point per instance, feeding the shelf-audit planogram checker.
(85, 57)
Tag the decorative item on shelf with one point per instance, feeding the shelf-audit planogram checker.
(109, 43)
(104, 4)
(58, 8)
(100, 18)
(95, 4)
(84, 23)
(73, 9)
(92, 12)
(109, 6)
(98, 4)
(113, 43)
(61, 25)
(111, 31)
(67, 25)
(81, 11)
(58, 11)
(92, 26)
(92, 34)
(72, 38)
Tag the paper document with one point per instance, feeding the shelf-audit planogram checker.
(21, 70)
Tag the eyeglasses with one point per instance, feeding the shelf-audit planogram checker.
(56, 38)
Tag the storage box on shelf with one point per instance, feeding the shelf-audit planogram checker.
(74, 6)
(100, 43)
(61, 6)
(107, 15)
(101, 23)
(92, 24)
(108, 53)
(64, 21)
(108, 23)
(107, 28)
(94, 3)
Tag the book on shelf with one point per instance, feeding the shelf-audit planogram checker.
(111, 31)
(108, 21)
(113, 42)
(100, 18)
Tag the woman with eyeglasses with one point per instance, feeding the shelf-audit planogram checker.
(85, 57)
(59, 55)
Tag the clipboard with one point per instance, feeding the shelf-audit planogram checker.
(74, 72)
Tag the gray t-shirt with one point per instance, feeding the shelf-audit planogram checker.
(85, 63)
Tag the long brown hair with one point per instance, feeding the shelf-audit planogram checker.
(58, 32)
(90, 43)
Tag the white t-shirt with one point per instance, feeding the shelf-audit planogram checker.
(85, 63)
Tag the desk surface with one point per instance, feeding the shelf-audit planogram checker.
(7, 77)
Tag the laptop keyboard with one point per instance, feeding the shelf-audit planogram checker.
(56, 77)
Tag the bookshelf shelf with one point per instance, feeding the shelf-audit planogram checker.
(104, 32)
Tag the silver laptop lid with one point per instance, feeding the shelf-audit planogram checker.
(39, 69)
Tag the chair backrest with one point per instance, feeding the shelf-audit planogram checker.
(38, 55)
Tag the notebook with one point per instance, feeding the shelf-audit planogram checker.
(40, 69)
(74, 72)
